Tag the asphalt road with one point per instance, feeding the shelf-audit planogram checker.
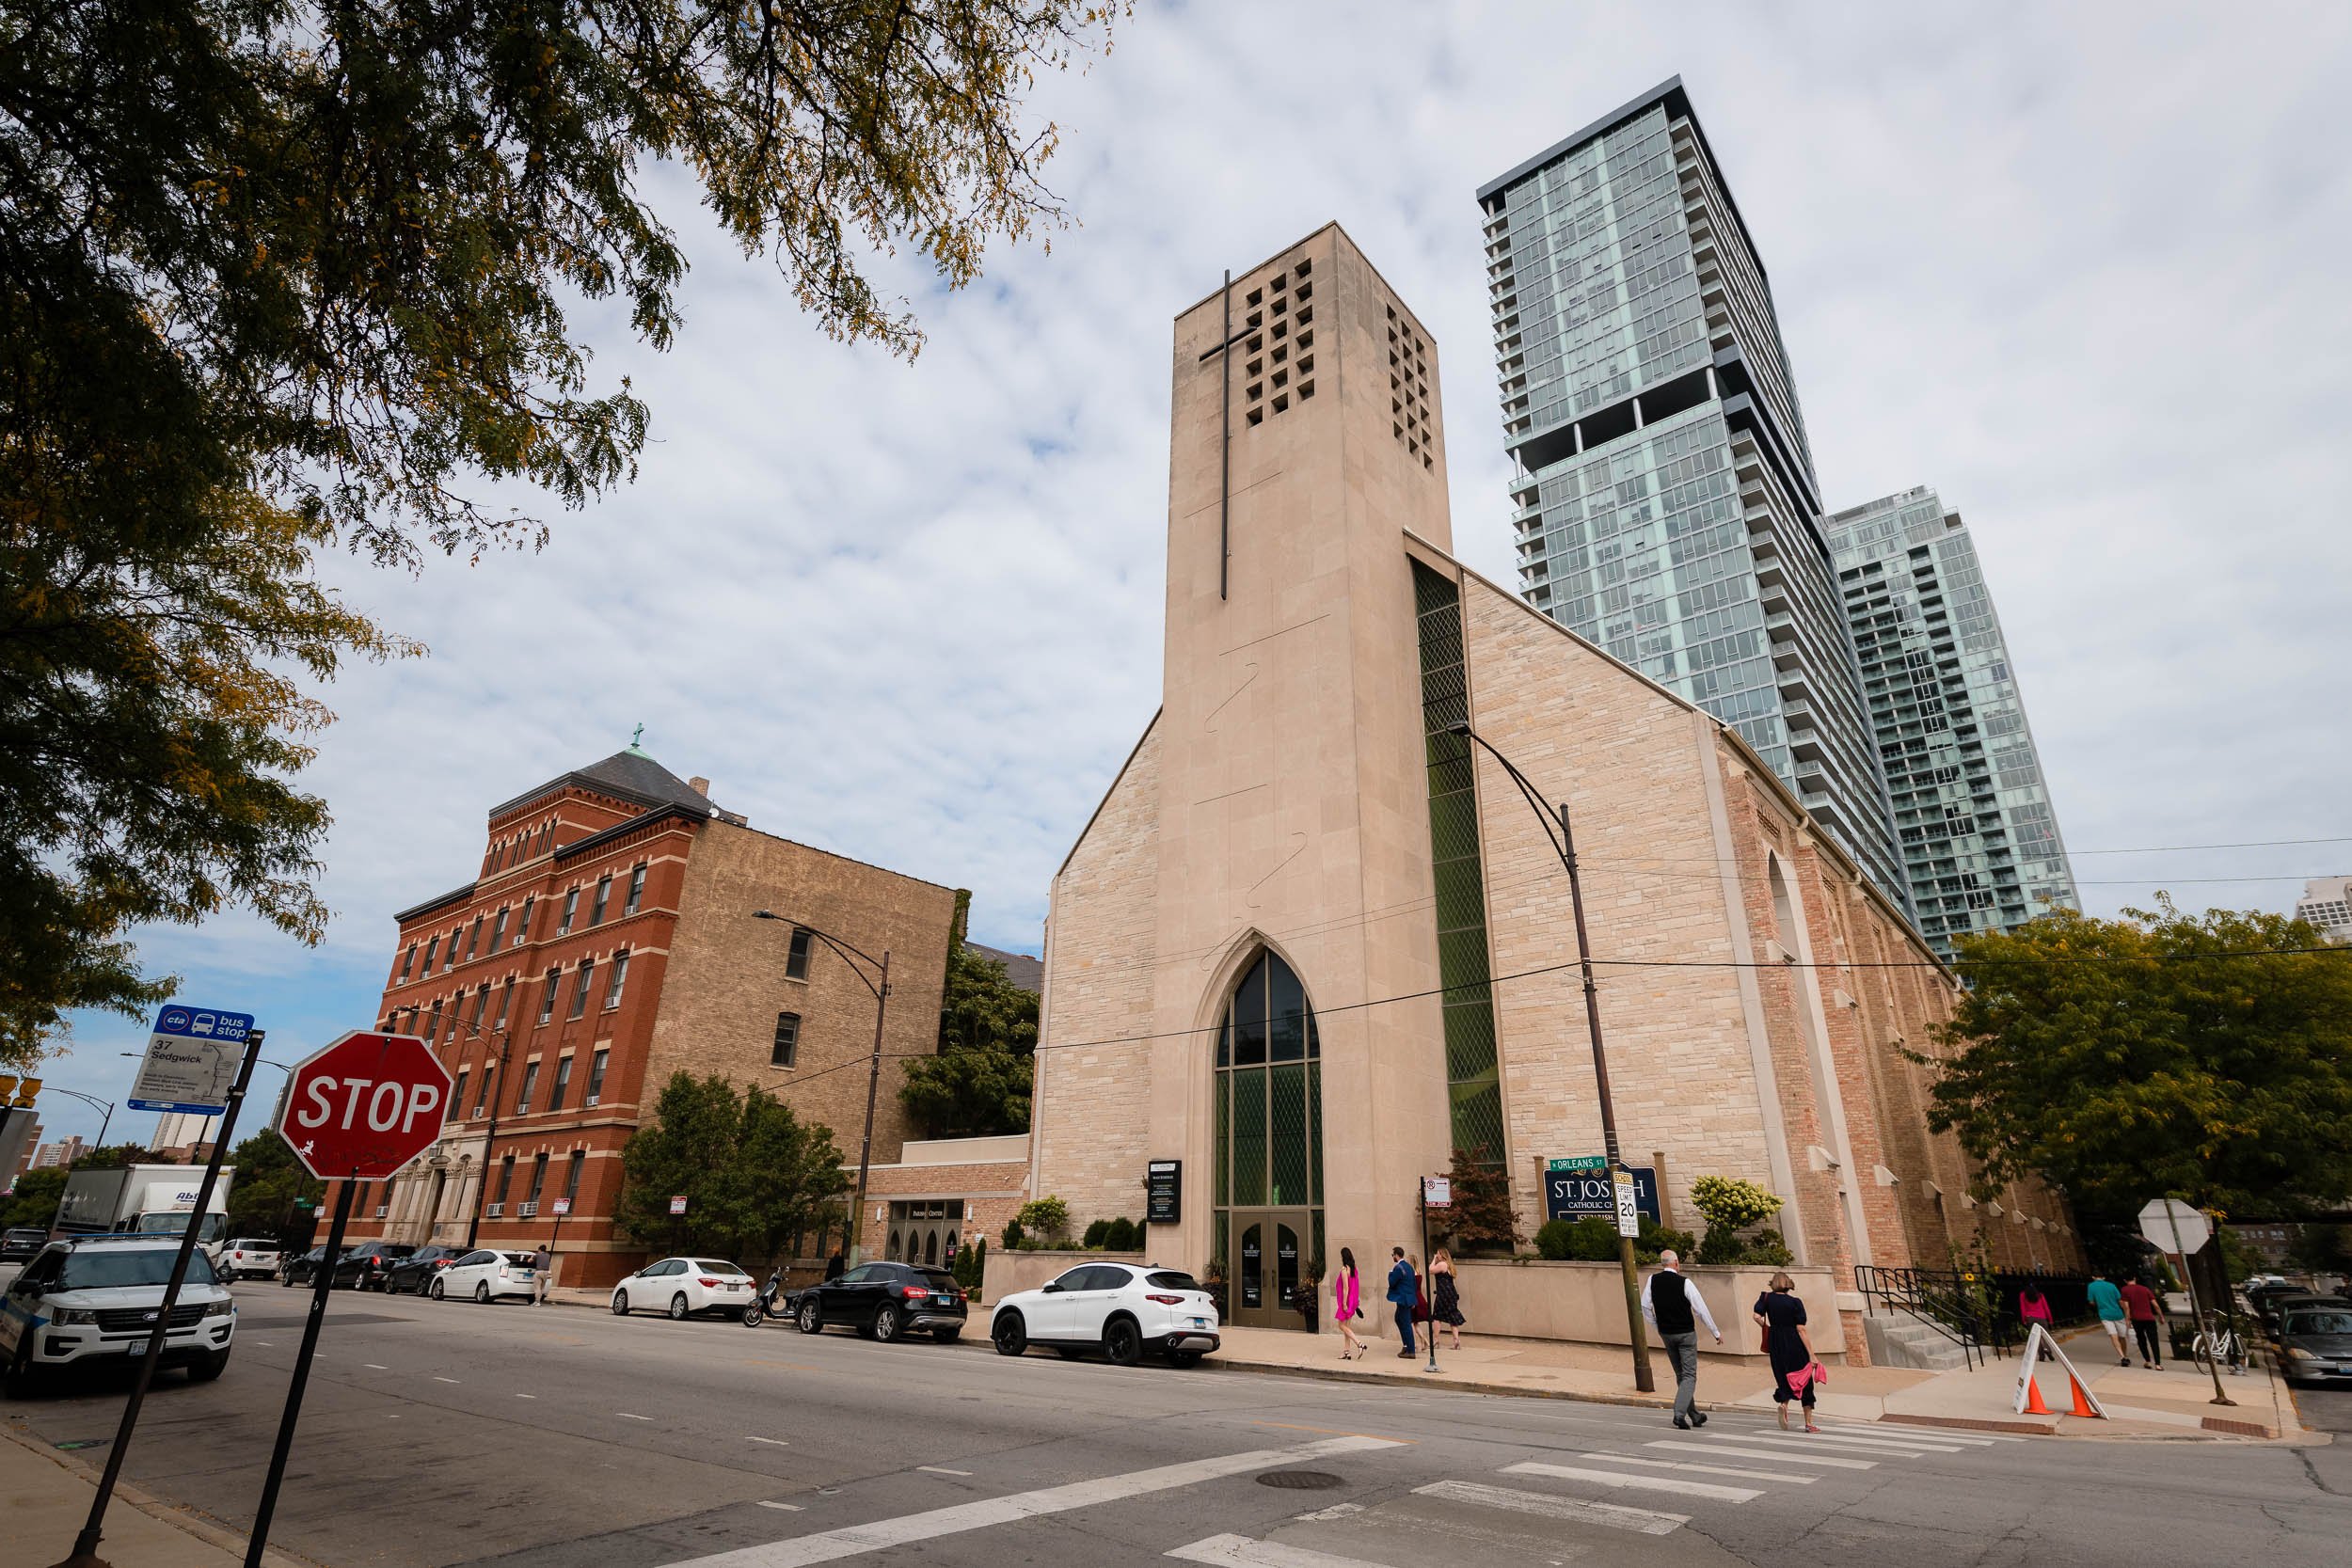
(555, 1438)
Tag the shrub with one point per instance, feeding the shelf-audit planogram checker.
(1012, 1233)
(1124, 1235)
(1095, 1233)
(1729, 1206)
(1047, 1218)
(1590, 1240)
(1656, 1238)
(1481, 1219)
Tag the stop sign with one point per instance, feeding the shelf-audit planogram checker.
(364, 1106)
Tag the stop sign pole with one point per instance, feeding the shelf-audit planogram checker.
(356, 1111)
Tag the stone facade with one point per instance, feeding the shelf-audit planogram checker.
(624, 858)
(1757, 996)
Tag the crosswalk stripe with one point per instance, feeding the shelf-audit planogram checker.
(1617, 1515)
(1827, 1440)
(1262, 1554)
(1705, 1469)
(1834, 1462)
(909, 1530)
(1635, 1483)
(1933, 1435)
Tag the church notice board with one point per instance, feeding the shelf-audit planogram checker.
(1163, 1192)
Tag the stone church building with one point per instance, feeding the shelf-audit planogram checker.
(1311, 941)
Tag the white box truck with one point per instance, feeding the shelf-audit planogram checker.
(153, 1200)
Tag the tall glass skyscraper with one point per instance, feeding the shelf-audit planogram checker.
(1972, 812)
(1666, 503)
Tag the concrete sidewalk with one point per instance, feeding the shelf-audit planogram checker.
(45, 1497)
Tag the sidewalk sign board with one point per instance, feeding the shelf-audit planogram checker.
(192, 1056)
(2029, 1401)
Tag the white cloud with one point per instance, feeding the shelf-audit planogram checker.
(2078, 268)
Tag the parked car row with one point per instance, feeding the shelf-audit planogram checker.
(2314, 1330)
(479, 1274)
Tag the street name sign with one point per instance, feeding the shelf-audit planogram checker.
(364, 1106)
(2171, 1226)
(192, 1058)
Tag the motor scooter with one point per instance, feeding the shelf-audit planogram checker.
(769, 1302)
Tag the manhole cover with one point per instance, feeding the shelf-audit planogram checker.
(1300, 1481)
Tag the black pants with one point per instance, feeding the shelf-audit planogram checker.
(2145, 1331)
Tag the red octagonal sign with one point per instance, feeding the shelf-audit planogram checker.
(364, 1106)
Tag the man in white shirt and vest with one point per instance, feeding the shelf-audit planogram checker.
(1673, 1306)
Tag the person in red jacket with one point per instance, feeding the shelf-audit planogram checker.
(2140, 1305)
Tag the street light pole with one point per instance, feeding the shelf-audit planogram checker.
(880, 988)
(106, 1106)
(1563, 845)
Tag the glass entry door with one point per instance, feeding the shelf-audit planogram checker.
(1271, 1251)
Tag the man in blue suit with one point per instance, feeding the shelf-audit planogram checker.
(1404, 1291)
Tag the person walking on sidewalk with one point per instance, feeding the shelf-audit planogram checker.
(1781, 1316)
(2108, 1303)
(1403, 1294)
(1671, 1305)
(1347, 1305)
(542, 1273)
(2139, 1305)
(2034, 1308)
(1446, 1303)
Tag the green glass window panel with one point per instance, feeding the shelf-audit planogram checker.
(1321, 1273)
(1223, 1163)
(1432, 592)
(1225, 1040)
(1288, 1133)
(1450, 776)
(1462, 956)
(1249, 1018)
(1314, 1038)
(1454, 827)
(1444, 711)
(1287, 1030)
(1461, 896)
(1478, 1118)
(1314, 1138)
(1249, 1135)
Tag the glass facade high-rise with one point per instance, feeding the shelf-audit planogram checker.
(1666, 502)
(1972, 811)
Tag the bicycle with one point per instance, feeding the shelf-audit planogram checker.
(2221, 1343)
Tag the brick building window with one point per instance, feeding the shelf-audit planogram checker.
(538, 1177)
(432, 1025)
(531, 1082)
(481, 1000)
(620, 974)
(481, 1091)
(547, 1002)
(522, 925)
(787, 1046)
(636, 891)
(473, 942)
(407, 960)
(448, 959)
(429, 948)
(498, 932)
(458, 1097)
(595, 1077)
(796, 956)
(506, 1179)
(506, 1000)
(571, 907)
(563, 1082)
(580, 989)
(604, 897)
(571, 1176)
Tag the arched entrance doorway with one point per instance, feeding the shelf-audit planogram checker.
(1268, 1164)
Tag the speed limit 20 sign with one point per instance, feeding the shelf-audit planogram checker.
(365, 1106)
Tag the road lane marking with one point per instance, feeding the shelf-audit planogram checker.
(1336, 1510)
(1834, 1462)
(1636, 1483)
(789, 1507)
(1933, 1434)
(1703, 1469)
(1262, 1554)
(775, 1442)
(909, 1529)
(526, 1395)
(942, 1470)
(1846, 1445)
(627, 1417)
(1335, 1431)
(440, 1379)
(1615, 1515)
(374, 1368)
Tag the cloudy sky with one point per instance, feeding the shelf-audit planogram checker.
(2080, 268)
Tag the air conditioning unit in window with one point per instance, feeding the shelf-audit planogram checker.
(526, 1209)
(591, 1101)
(494, 1210)
(382, 1210)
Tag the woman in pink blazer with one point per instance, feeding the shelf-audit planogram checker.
(1346, 1305)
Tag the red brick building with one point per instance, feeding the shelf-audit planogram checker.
(609, 940)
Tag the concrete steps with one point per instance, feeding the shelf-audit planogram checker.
(1905, 1342)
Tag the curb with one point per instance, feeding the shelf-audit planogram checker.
(1971, 1423)
(178, 1515)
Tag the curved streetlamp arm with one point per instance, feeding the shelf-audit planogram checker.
(850, 955)
(1543, 812)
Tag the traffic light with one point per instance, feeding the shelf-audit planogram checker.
(18, 1091)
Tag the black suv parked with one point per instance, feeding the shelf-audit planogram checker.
(20, 1243)
(882, 1301)
(367, 1266)
(416, 1270)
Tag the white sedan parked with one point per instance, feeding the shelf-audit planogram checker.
(684, 1286)
(1122, 1308)
(486, 1274)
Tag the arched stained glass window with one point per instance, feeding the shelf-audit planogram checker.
(1269, 1113)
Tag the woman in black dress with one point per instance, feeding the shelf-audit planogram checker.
(1781, 1316)
(1447, 1309)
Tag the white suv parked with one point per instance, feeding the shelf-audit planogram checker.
(249, 1257)
(1125, 1309)
(93, 1301)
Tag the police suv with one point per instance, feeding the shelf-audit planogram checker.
(92, 1301)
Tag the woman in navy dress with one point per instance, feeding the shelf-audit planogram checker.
(1781, 1316)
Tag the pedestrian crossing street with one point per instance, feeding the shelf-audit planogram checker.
(1641, 1487)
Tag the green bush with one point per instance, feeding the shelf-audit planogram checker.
(1047, 1218)
(1095, 1234)
(1590, 1240)
(1012, 1233)
(1729, 1206)
(1124, 1235)
(1656, 1238)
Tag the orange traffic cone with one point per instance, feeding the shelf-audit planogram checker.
(2033, 1399)
(2082, 1397)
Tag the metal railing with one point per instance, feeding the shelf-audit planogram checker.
(1977, 1311)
